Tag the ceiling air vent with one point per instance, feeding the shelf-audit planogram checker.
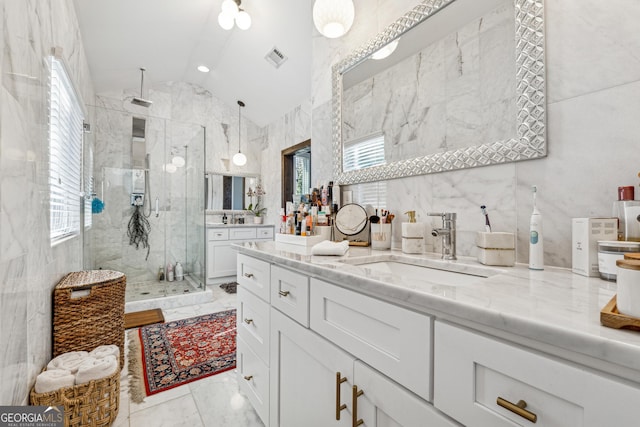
(275, 57)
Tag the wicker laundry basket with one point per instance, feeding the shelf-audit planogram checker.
(88, 311)
(94, 404)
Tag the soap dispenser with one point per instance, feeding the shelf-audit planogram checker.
(412, 235)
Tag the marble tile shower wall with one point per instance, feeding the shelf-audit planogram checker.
(174, 121)
(593, 88)
(29, 266)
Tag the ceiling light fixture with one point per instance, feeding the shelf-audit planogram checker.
(239, 159)
(178, 161)
(203, 68)
(231, 12)
(333, 18)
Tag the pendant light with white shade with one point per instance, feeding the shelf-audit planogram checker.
(333, 18)
(239, 159)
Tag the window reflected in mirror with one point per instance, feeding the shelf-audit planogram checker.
(227, 192)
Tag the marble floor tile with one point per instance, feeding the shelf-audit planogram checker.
(178, 412)
(221, 403)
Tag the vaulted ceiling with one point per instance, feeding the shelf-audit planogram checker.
(170, 38)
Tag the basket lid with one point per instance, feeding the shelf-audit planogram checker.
(88, 278)
(633, 255)
(629, 264)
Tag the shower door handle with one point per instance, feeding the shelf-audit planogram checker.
(157, 207)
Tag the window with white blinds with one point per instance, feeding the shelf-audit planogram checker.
(89, 186)
(302, 173)
(363, 152)
(65, 154)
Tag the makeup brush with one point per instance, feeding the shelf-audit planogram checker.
(487, 224)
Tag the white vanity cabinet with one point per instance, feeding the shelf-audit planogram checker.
(343, 350)
(333, 354)
(394, 340)
(221, 258)
(317, 384)
(306, 377)
(484, 381)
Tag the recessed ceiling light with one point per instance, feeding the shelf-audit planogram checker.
(203, 68)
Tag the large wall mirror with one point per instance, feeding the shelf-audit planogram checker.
(228, 192)
(452, 84)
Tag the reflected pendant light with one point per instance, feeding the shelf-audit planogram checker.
(333, 18)
(239, 159)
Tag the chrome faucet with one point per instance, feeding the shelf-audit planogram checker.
(448, 233)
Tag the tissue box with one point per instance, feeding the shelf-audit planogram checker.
(585, 235)
(496, 248)
(292, 239)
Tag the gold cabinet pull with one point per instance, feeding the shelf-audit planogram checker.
(354, 406)
(518, 409)
(248, 275)
(339, 407)
(284, 293)
(248, 377)
(248, 321)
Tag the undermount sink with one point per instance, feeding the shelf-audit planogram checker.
(433, 271)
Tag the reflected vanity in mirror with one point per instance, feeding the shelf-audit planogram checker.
(452, 84)
(228, 192)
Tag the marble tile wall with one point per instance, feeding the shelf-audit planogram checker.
(29, 266)
(593, 83)
(293, 128)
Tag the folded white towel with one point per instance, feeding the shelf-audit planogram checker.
(328, 247)
(105, 350)
(53, 380)
(68, 361)
(95, 369)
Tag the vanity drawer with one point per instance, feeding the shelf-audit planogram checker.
(253, 379)
(394, 340)
(471, 371)
(218, 234)
(290, 294)
(265, 233)
(242, 233)
(253, 322)
(254, 275)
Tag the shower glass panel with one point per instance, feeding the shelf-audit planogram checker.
(173, 205)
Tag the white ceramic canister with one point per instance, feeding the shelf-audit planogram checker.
(609, 251)
(628, 299)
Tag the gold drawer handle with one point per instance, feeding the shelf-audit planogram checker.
(284, 293)
(518, 409)
(339, 380)
(248, 321)
(355, 422)
(248, 377)
(248, 275)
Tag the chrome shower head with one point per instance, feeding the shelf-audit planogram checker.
(140, 100)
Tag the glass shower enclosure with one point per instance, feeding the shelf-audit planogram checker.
(150, 178)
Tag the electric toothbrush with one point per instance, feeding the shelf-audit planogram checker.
(536, 244)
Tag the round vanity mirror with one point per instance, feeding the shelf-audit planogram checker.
(351, 219)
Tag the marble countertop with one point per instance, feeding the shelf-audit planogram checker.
(553, 310)
(221, 225)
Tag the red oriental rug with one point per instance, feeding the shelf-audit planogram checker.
(171, 354)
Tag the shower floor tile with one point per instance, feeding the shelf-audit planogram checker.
(158, 289)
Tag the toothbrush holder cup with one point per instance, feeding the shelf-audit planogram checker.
(381, 236)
